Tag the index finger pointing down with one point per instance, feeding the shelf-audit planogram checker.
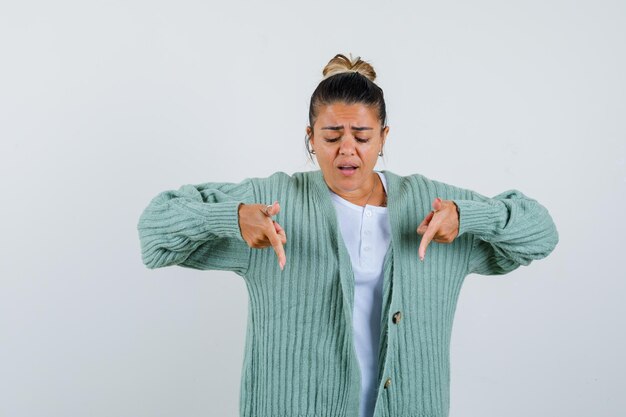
(278, 247)
(426, 238)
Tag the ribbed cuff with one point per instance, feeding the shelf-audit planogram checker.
(225, 219)
(479, 218)
(220, 219)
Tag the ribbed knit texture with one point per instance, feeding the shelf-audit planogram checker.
(299, 358)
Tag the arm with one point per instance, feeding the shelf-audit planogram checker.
(196, 226)
(508, 230)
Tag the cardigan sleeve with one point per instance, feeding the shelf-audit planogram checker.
(508, 230)
(196, 226)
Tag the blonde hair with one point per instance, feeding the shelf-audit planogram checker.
(341, 63)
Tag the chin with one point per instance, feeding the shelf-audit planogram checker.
(350, 183)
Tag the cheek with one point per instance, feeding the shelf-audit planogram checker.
(326, 157)
(368, 154)
(330, 154)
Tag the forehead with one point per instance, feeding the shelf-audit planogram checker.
(346, 115)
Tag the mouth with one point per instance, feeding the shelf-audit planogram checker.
(348, 169)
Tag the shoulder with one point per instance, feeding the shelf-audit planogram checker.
(283, 177)
(281, 180)
(422, 185)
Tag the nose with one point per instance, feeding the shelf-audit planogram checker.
(347, 146)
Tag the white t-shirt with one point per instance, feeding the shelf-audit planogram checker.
(367, 235)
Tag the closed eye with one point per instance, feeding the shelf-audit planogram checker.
(360, 140)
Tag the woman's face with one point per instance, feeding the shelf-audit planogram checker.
(347, 139)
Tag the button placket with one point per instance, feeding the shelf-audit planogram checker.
(366, 246)
(396, 317)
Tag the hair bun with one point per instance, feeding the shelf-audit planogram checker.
(340, 63)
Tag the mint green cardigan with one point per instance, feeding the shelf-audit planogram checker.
(299, 358)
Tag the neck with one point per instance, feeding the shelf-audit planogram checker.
(372, 193)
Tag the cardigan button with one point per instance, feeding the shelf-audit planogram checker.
(396, 317)
(387, 383)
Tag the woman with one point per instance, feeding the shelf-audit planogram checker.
(351, 312)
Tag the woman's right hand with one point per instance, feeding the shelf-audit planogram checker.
(260, 231)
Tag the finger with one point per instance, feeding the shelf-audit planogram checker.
(278, 227)
(269, 210)
(437, 204)
(281, 232)
(274, 209)
(421, 229)
(278, 247)
(428, 236)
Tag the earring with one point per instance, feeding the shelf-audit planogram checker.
(380, 153)
(308, 140)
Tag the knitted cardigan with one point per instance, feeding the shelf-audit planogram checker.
(299, 357)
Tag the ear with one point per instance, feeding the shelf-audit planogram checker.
(384, 135)
(309, 133)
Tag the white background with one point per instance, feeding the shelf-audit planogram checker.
(105, 104)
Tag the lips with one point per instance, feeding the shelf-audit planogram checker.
(347, 169)
(347, 165)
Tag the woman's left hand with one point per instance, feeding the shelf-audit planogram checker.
(441, 225)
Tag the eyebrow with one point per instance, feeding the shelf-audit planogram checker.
(341, 128)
